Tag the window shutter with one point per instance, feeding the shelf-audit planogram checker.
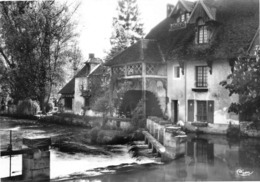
(210, 111)
(190, 110)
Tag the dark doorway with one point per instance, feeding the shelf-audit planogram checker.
(174, 111)
(202, 111)
(86, 102)
(68, 103)
(132, 98)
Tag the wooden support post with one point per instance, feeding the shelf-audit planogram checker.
(10, 166)
(144, 88)
(111, 88)
(10, 148)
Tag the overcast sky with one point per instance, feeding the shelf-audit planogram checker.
(95, 22)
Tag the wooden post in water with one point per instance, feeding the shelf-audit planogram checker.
(10, 148)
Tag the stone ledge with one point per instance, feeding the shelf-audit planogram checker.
(199, 124)
(159, 120)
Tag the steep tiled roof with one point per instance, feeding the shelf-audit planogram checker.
(235, 26)
(83, 72)
(144, 50)
(254, 42)
(69, 87)
(187, 5)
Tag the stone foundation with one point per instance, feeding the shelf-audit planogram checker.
(124, 124)
(170, 136)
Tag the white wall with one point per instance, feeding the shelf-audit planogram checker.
(79, 101)
(178, 91)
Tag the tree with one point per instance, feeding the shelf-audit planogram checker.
(36, 39)
(127, 27)
(244, 81)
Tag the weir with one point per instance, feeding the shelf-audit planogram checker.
(165, 139)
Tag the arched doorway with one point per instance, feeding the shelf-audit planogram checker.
(132, 98)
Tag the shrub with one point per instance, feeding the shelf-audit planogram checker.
(233, 131)
(94, 134)
(28, 107)
(102, 104)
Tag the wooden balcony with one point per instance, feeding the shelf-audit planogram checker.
(179, 25)
(139, 70)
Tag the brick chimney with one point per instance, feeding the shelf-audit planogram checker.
(91, 55)
(92, 62)
(169, 8)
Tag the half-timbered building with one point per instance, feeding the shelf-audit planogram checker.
(192, 50)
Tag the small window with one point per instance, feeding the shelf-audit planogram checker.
(182, 17)
(176, 72)
(257, 49)
(202, 32)
(178, 19)
(201, 76)
(187, 16)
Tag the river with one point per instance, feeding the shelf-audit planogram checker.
(207, 158)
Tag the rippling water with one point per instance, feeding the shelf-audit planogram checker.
(207, 158)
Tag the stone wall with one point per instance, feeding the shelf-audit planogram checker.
(77, 121)
(124, 124)
(36, 162)
(79, 101)
(169, 136)
(164, 131)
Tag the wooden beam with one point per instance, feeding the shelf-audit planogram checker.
(144, 87)
(14, 152)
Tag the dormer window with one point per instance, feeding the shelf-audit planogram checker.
(178, 20)
(183, 17)
(187, 16)
(202, 37)
(256, 50)
(181, 21)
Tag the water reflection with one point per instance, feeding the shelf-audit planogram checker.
(207, 158)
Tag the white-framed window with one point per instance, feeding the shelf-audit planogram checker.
(256, 49)
(183, 18)
(187, 16)
(176, 72)
(201, 76)
(202, 37)
(178, 19)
